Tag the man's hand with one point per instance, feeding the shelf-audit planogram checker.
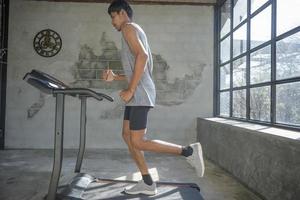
(126, 95)
(108, 75)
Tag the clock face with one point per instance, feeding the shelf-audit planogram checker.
(47, 43)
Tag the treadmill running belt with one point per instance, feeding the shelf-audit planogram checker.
(104, 189)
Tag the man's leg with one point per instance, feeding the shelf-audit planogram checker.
(192, 152)
(137, 155)
(146, 186)
(139, 142)
(134, 131)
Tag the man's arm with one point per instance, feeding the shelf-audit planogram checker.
(141, 58)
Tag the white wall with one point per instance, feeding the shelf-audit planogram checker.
(181, 40)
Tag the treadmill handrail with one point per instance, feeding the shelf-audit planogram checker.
(51, 85)
(83, 92)
(47, 77)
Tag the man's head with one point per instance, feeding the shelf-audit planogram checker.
(120, 12)
(118, 5)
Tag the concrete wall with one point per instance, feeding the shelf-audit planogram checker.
(181, 39)
(265, 162)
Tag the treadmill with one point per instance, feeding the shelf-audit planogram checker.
(84, 186)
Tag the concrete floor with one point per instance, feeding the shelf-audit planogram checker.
(25, 174)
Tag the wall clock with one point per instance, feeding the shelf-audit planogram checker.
(47, 43)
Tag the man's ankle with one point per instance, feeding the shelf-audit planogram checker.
(187, 151)
(147, 179)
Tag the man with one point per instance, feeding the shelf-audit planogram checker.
(140, 98)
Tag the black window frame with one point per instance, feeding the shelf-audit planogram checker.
(272, 82)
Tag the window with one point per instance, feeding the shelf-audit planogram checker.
(239, 103)
(225, 77)
(258, 66)
(224, 104)
(255, 4)
(261, 27)
(288, 57)
(225, 50)
(287, 103)
(239, 72)
(239, 11)
(239, 40)
(287, 15)
(225, 19)
(260, 103)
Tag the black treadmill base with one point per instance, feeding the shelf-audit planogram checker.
(113, 189)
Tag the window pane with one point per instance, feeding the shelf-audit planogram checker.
(288, 104)
(225, 50)
(225, 77)
(239, 72)
(224, 104)
(287, 15)
(260, 65)
(260, 103)
(225, 18)
(239, 11)
(240, 40)
(261, 27)
(255, 4)
(239, 104)
(288, 57)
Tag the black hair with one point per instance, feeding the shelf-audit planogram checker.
(118, 5)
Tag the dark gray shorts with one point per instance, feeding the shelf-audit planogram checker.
(137, 116)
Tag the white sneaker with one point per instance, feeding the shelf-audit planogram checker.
(142, 188)
(196, 159)
(189, 160)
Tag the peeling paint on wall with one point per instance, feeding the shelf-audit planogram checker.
(35, 108)
(88, 69)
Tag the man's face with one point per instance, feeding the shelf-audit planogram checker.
(117, 19)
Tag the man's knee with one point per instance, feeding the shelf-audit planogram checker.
(126, 131)
(137, 143)
(126, 135)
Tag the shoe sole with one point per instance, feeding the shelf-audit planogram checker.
(190, 161)
(149, 193)
(200, 172)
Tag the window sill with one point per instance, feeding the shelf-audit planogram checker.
(295, 135)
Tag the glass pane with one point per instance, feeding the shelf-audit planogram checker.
(260, 103)
(288, 57)
(240, 40)
(224, 104)
(239, 72)
(288, 104)
(255, 4)
(261, 27)
(225, 77)
(225, 50)
(239, 11)
(260, 65)
(225, 18)
(287, 15)
(239, 104)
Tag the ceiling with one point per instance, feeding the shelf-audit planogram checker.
(163, 2)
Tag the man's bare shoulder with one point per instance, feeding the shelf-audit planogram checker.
(128, 29)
